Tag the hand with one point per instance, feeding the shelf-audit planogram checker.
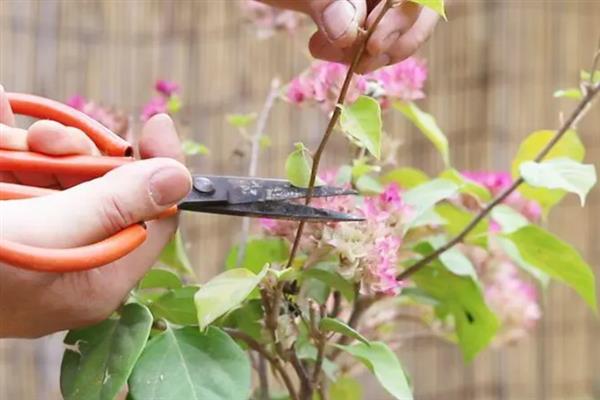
(399, 34)
(33, 304)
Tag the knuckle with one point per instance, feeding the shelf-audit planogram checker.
(115, 216)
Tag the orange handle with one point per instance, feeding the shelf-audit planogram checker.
(79, 258)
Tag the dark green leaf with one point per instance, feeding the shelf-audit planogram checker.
(177, 306)
(258, 253)
(331, 279)
(160, 278)
(335, 325)
(99, 359)
(187, 364)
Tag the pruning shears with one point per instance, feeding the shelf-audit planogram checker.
(239, 196)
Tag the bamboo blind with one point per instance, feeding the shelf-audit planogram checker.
(493, 69)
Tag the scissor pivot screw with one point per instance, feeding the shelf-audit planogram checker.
(204, 185)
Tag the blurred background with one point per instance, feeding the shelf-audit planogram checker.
(493, 69)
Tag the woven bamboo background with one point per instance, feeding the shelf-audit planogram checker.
(493, 69)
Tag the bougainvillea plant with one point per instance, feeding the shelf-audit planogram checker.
(460, 256)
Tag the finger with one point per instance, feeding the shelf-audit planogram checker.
(339, 20)
(96, 209)
(13, 138)
(320, 47)
(6, 115)
(370, 63)
(55, 139)
(412, 40)
(392, 26)
(159, 139)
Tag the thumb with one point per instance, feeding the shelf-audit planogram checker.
(96, 209)
(339, 20)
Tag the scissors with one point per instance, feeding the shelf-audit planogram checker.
(239, 196)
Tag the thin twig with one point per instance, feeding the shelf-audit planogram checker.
(566, 126)
(273, 360)
(320, 342)
(306, 387)
(263, 378)
(595, 61)
(333, 121)
(259, 131)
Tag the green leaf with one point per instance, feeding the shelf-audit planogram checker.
(177, 306)
(241, 120)
(225, 292)
(457, 219)
(331, 279)
(461, 297)
(572, 93)
(467, 186)
(366, 184)
(160, 278)
(509, 219)
(435, 5)
(258, 253)
(335, 325)
(192, 148)
(568, 146)
(361, 167)
(99, 359)
(422, 198)
(384, 364)
(298, 167)
(510, 249)
(458, 264)
(174, 104)
(586, 76)
(406, 178)
(248, 319)
(345, 388)
(362, 121)
(427, 125)
(188, 364)
(174, 255)
(557, 259)
(560, 173)
(265, 142)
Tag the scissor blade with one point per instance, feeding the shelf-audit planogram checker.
(239, 190)
(273, 210)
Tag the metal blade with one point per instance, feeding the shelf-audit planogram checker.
(273, 210)
(240, 190)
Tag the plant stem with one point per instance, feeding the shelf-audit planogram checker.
(259, 130)
(275, 362)
(333, 121)
(263, 378)
(566, 126)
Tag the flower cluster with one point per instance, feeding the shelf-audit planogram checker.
(267, 20)
(322, 82)
(115, 120)
(508, 294)
(166, 92)
(367, 251)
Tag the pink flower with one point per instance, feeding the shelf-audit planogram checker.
(156, 105)
(402, 81)
(166, 88)
(113, 119)
(77, 101)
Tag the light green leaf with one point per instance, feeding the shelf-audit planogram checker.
(335, 325)
(427, 125)
(241, 120)
(192, 148)
(362, 121)
(225, 292)
(332, 279)
(435, 5)
(188, 364)
(366, 184)
(460, 297)
(160, 278)
(177, 306)
(568, 146)
(298, 167)
(406, 178)
(384, 364)
(458, 263)
(100, 358)
(511, 251)
(265, 142)
(509, 219)
(361, 167)
(344, 175)
(467, 186)
(586, 76)
(560, 173)
(573, 93)
(556, 258)
(457, 219)
(345, 388)
(174, 255)
(422, 198)
(174, 104)
(258, 253)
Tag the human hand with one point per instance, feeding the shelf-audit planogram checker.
(399, 34)
(33, 304)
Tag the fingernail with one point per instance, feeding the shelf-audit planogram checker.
(338, 18)
(169, 185)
